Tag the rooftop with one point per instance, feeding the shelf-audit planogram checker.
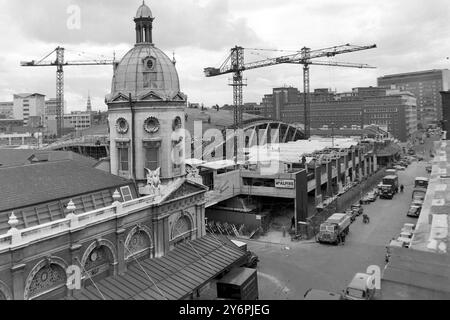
(292, 152)
(25, 185)
(9, 157)
(431, 233)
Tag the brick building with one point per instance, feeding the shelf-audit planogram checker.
(425, 85)
(363, 106)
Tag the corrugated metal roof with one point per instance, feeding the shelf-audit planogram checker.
(176, 275)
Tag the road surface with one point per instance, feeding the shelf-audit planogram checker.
(288, 271)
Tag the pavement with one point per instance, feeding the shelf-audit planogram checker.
(287, 270)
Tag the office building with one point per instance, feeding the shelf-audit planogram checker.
(425, 85)
(445, 96)
(393, 109)
(6, 110)
(27, 106)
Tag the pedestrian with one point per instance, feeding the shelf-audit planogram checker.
(293, 222)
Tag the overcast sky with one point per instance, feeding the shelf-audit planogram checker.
(411, 35)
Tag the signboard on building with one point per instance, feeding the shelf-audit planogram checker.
(285, 183)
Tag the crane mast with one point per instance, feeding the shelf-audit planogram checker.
(235, 64)
(59, 62)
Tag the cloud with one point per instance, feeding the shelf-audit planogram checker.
(410, 36)
(177, 23)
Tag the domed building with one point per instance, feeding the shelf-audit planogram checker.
(146, 109)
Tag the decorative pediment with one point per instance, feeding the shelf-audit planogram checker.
(119, 97)
(185, 189)
(179, 97)
(151, 96)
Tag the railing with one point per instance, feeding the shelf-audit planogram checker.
(85, 139)
(16, 237)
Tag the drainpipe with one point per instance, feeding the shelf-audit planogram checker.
(133, 161)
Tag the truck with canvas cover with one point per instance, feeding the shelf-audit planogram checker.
(391, 180)
(334, 229)
(239, 284)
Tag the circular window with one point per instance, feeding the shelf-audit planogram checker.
(122, 125)
(151, 125)
(150, 64)
(177, 123)
(44, 276)
(94, 256)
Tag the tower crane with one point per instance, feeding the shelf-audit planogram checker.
(235, 64)
(60, 63)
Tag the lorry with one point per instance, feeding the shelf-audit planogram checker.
(239, 284)
(387, 192)
(421, 182)
(418, 196)
(391, 180)
(362, 287)
(250, 260)
(334, 229)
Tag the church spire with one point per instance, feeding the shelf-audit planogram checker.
(88, 105)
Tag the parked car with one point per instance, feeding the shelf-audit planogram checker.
(403, 163)
(414, 211)
(371, 196)
(406, 241)
(399, 167)
(358, 208)
(409, 227)
(376, 192)
(366, 199)
(352, 214)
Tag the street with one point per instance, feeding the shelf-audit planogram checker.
(288, 271)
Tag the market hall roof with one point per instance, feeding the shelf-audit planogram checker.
(39, 186)
(175, 276)
(26, 156)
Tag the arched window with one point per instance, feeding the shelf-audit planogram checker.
(47, 280)
(5, 293)
(98, 260)
(138, 243)
(181, 230)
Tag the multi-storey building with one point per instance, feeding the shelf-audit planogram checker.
(395, 110)
(445, 96)
(79, 120)
(425, 85)
(50, 106)
(392, 109)
(6, 110)
(28, 105)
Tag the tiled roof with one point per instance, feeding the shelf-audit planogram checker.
(25, 185)
(22, 156)
(180, 272)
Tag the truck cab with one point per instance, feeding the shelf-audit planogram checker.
(362, 287)
(387, 191)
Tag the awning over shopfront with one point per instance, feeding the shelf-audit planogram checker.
(175, 276)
